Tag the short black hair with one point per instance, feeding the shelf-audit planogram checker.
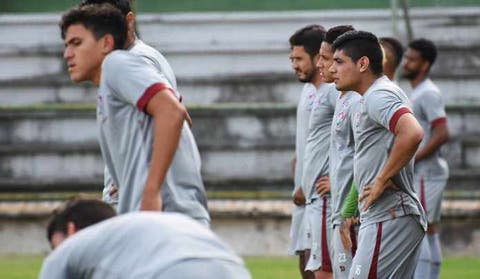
(310, 37)
(357, 44)
(396, 46)
(123, 5)
(82, 212)
(427, 49)
(100, 20)
(334, 32)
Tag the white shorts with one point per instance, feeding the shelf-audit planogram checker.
(319, 217)
(298, 235)
(430, 193)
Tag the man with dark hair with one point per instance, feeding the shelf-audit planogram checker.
(96, 244)
(393, 55)
(386, 136)
(157, 60)
(431, 170)
(342, 150)
(315, 166)
(146, 143)
(304, 45)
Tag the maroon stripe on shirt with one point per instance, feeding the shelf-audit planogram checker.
(437, 121)
(354, 240)
(422, 194)
(150, 92)
(326, 263)
(396, 116)
(372, 274)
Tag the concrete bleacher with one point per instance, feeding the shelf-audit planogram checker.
(234, 73)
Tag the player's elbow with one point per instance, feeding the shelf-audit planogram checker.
(416, 135)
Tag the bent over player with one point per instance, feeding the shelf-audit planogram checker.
(386, 137)
(90, 242)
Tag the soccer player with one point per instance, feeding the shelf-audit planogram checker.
(304, 45)
(90, 242)
(152, 56)
(386, 135)
(342, 150)
(431, 170)
(146, 143)
(393, 55)
(315, 181)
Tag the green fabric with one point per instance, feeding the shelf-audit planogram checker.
(351, 202)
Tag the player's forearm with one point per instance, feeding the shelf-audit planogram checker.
(439, 136)
(168, 123)
(408, 135)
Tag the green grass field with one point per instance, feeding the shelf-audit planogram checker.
(27, 267)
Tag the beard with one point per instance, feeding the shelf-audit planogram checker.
(410, 74)
(309, 76)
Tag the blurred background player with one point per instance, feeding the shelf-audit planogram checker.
(90, 242)
(146, 143)
(387, 135)
(393, 50)
(342, 151)
(303, 56)
(431, 170)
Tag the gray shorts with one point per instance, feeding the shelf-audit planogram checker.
(319, 219)
(298, 235)
(342, 258)
(430, 193)
(204, 269)
(388, 249)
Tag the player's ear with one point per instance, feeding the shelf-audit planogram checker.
(130, 20)
(363, 63)
(71, 229)
(108, 43)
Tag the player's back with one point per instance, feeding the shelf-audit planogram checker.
(141, 245)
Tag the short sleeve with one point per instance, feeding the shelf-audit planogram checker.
(132, 79)
(433, 108)
(386, 108)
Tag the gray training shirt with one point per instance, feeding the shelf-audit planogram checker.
(342, 150)
(374, 123)
(304, 110)
(140, 245)
(156, 59)
(126, 138)
(318, 142)
(429, 109)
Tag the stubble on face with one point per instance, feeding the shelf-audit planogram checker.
(344, 72)
(303, 64)
(411, 65)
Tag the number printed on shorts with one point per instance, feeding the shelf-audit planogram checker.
(342, 257)
(358, 269)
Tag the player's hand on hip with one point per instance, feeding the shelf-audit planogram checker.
(299, 197)
(322, 186)
(372, 192)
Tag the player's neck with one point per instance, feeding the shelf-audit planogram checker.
(317, 81)
(365, 83)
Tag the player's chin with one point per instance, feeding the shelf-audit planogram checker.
(75, 77)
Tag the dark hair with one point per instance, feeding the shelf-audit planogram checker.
(396, 46)
(357, 44)
(122, 5)
(310, 37)
(427, 49)
(81, 211)
(100, 20)
(334, 32)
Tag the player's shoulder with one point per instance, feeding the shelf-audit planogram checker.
(116, 60)
(427, 89)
